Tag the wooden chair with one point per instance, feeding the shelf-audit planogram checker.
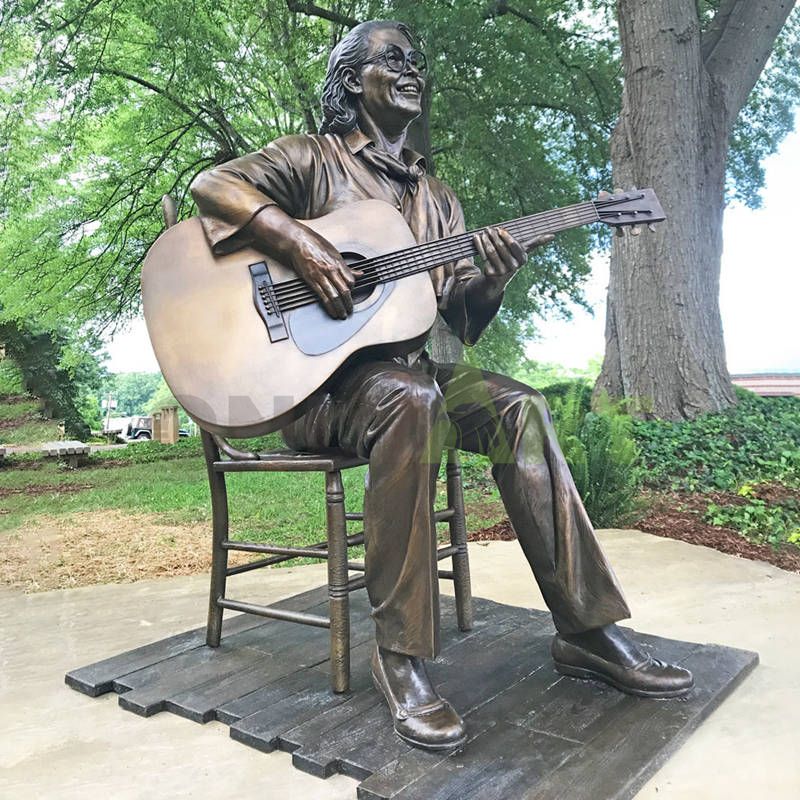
(333, 548)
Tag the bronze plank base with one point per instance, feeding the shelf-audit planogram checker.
(532, 733)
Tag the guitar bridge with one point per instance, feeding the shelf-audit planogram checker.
(266, 302)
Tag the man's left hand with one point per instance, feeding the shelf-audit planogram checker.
(503, 255)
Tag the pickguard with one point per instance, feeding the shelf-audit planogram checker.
(314, 332)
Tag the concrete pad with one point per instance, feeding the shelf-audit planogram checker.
(60, 744)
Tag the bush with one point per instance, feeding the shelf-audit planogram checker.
(191, 446)
(756, 440)
(601, 454)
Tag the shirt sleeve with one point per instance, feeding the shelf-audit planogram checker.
(466, 319)
(229, 196)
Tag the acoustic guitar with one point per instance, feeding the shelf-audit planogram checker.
(244, 344)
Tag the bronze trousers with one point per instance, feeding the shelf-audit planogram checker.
(400, 418)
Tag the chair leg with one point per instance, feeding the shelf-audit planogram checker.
(458, 538)
(219, 555)
(338, 595)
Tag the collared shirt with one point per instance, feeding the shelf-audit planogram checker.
(310, 175)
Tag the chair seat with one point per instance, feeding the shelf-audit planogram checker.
(292, 461)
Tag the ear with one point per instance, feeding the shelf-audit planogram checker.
(351, 81)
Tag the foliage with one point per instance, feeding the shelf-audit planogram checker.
(147, 452)
(11, 382)
(758, 439)
(757, 520)
(601, 454)
(132, 391)
(57, 368)
(109, 104)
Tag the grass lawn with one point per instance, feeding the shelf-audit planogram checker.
(165, 507)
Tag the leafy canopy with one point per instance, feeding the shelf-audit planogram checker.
(109, 104)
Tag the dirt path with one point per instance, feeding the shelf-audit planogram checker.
(108, 546)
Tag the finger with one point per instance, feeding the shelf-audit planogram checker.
(343, 287)
(479, 246)
(332, 300)
(515, 248)
(348, 274)
(507, 261)
(498, 267)
(539, 241)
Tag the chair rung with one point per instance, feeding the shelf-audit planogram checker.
(294, 552)
(446, 552)
(275, 613)
(447, 574)
(439, 516)
(356, 583)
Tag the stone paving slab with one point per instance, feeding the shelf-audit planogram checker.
(532, 732)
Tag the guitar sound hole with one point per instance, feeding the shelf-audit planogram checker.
(361, 293)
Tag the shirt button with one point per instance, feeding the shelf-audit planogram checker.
(398, 207)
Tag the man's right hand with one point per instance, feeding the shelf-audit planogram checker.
(315, 260)
(319, 264)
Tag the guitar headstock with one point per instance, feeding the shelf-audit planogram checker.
(634, 207)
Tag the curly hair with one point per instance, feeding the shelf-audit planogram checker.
(339, 111)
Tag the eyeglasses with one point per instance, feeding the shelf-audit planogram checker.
(397, 61)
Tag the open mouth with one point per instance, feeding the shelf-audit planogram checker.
(409, 88)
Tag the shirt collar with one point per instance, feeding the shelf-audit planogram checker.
(356, 140)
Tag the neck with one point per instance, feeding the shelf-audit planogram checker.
(386, 138)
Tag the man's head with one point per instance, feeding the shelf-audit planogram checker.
(374, 68)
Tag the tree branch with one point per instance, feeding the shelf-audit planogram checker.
(164, 93)
(313, 10)
(738, 43)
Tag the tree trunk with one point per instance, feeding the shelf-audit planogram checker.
(664, 346)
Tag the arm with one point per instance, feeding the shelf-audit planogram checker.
(252, 201)
(471, 297)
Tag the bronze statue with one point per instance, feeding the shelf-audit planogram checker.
(399, 412)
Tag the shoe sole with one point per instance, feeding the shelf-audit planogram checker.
(408, 739)
(592, 675)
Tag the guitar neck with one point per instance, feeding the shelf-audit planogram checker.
(425, 257)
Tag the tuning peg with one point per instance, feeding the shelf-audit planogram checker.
(651, 227)
(636, 230)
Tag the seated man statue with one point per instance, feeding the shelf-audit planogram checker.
(392, 411)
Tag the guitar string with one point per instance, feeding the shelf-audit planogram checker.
(434, 253)
(531, 220)
(409, 266)
(454, 240)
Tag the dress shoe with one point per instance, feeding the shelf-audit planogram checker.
(431, 725)
(619, 663)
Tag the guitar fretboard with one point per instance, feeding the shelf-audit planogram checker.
(428, 256)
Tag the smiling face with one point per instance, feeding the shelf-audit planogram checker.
(391, 99)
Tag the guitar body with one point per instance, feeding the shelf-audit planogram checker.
(235, 377)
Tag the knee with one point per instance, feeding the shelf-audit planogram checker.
(414, 393)
(528, 407)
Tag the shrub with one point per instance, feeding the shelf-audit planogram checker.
(772, 523)
(147, 452)
(758, 439)
(601, 454)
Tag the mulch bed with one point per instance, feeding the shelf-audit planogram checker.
(680, 516)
